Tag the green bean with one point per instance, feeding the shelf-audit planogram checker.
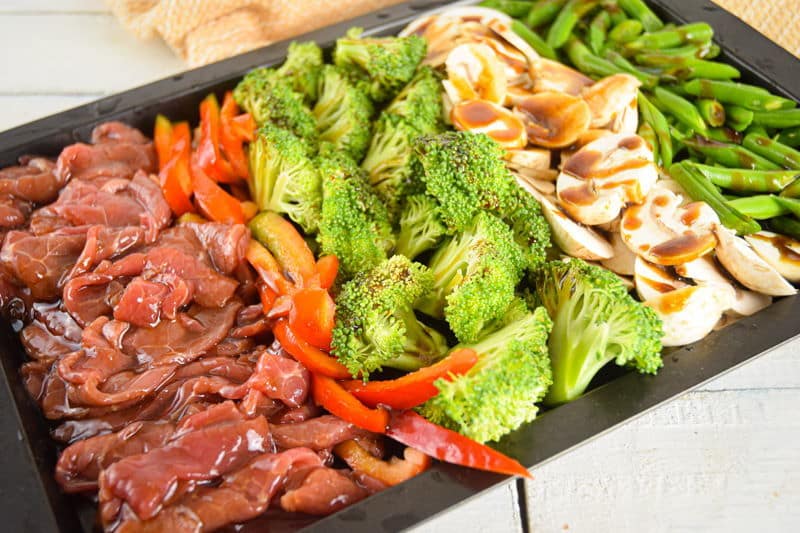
(616, 13)
(783, 118)
(759, 207)
(698, 32)
(790, 137)
(566, 20)
(543, 12)
(790, 204)
(792, 190)
(648, 80)
(758, 130)
(584, 60)
(778, 153)
(680, 108)
(647, 133)
(598, 29)
(712, 112)
(639, 10)
(728, 92)
(713, 50)
(785, 226)
(700, 68)
(744, 181)
(729, 155)
(725, 135)
(702, 190)
(512, 8)
(739, 118)
(533, 39)
(661, 57)
(625, 31)
(652, 116)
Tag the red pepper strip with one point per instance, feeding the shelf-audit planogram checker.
(311, 316)
(289, 248)
(268, 268)
(409, 428)
(175, 178)
(244, 126)
(330, 395)
(162, 138)
(327, 268)
(231, 142)
(213, 201)
(415, 388)
(266, 295)
(313, 359)
(390, 472)
(207, 156)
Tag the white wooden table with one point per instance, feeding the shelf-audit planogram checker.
(723, 458)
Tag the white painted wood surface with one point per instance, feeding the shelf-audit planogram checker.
(722, 458)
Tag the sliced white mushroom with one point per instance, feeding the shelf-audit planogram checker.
(627, 120)
(553, 120)
(543, 174)
(748, 302)
(516, 92)
(690, 313)
(533, 158)
(548, 75)
(610, 97)
(501, 25)
(572, 238)
(514, 62)
(481, 116)
(781, 252)
(659, 231)
(675, 187)
(474, 72)
(652, 280)
(546, 187)
(748, 267)
(704, 271)
(622, 262)
(598, 180)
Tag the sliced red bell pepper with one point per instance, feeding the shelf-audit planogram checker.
(288, 246)
(311, 316)
(327, 268)
(415, 388)
(213, 201)
(409, 428)
(315, 360)
(330, 395)
(244, 126)
(390, 472)
(162, 138)
(268, 268)
(230, 139)
(207, 155)
(266, 295)
(174, 176)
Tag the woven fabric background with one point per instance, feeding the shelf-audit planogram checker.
(202, 31)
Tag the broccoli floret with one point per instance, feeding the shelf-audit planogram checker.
(375, 324)
(523, 213)
(302, 67)
(387, 63)
(474, 273)
(420, 227)
(355, 225)
(269, 97)
(343, 113)
(499, 393)
(283, 177)
(420, 102)
(595, 321)
(465, 173)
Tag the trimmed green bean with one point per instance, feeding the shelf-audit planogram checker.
(543, 12)
(778, 153)
(533, 39)
(657, 58)
(700, 68)
(639, 10)
(680, 108)
(759, 207)
(625, 31)
(729, 155)
(759, 130)
(566, 20)
(713, 51)
(712, 112)
(652, 116)
(785, 226)
(729, 92)
(790, 204)
(647, 133)
(598, 31)
(725, 135)
(739, 118)
(648, 80)
(746, 181)
(792, 190)
(698, 32)
(617, 14)
(584, 60)
(512, 8)
(783, 118)
(790, 137)
(702, 190)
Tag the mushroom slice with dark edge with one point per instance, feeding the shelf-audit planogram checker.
(780, 251)
(553, 120)
(474, 72)
(481, 116)
(689, 313)
(611, 97)
(548, 75)
(747, 267)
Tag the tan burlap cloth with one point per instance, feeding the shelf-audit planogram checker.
(201, 31)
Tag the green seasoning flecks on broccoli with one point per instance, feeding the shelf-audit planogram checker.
(499, 393)
(420, 227)
(269, 97)
(302, 67)
(355, 225)
(375, 324)
(283, 177)
(595, 321)
(474, 273)
(343, 113)
(523, 213)
(465, 173)
(387, 63)
(420, 102)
